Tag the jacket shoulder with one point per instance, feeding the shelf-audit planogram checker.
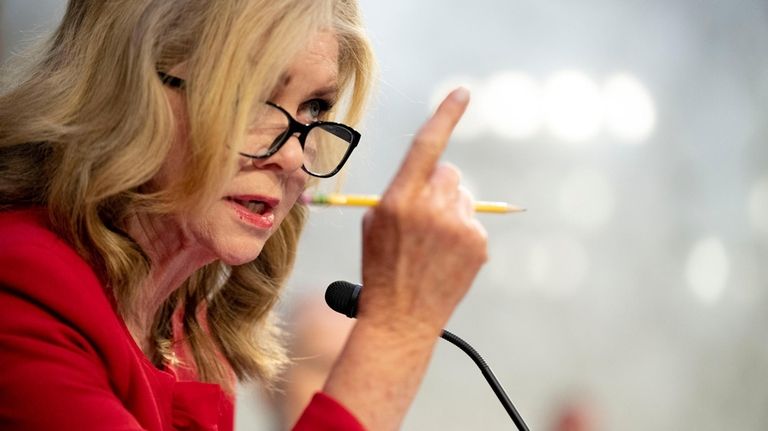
(37, 264)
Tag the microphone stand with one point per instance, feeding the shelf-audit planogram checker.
(342, 297)
(489, 377)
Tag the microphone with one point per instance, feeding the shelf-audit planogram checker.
(342, 297)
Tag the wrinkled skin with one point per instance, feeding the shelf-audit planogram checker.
(422, 248)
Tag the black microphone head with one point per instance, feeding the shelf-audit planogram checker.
(342, 297)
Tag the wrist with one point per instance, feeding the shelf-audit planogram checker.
(380, 369)
(403, 326)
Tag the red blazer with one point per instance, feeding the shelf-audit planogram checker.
(67, 361)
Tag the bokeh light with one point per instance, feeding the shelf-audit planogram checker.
(514, 105)
(707, 269)
(573, 106)
(630, 113)
(511, 103)
(757, 206)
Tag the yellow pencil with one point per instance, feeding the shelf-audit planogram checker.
(373, 200)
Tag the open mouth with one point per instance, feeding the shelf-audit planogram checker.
(255, 206)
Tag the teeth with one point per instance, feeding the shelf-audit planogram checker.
(258, 207)
(255, 206)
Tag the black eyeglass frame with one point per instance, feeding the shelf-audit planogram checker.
(294, 127)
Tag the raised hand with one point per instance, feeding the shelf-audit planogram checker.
(422, 246)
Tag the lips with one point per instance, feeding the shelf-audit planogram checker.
(254, 206)
(254, 210)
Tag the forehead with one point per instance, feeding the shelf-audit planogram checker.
(323, 47)
(317, 64)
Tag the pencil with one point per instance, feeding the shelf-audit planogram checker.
(334, 199)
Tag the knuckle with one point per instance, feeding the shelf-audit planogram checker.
(392, 205)
(466, 194)
(427, 143)
(448, 173)
(484, 257)
(368, 219)
(484, 253)
(450, 168)
(478, 236)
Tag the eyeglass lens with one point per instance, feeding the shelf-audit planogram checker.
(324, 146)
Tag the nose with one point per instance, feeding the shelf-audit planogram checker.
(289, 158)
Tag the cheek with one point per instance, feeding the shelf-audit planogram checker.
(223, 239)
(295, 185)
(174, 164)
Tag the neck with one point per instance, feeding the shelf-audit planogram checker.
(174, 257)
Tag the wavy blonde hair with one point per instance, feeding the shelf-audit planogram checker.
(87, 125)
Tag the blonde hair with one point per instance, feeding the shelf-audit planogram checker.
(88, 126)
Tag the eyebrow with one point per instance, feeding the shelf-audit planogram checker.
(328, 92)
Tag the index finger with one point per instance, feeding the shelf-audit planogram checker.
(431, 140)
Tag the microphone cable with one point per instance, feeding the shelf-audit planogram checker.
(342, 297)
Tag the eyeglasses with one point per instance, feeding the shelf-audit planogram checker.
(326, 145)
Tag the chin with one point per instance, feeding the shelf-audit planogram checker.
(241, 254)
(228, 240)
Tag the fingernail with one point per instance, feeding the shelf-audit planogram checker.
(460, 95)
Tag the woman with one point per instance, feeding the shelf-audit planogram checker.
(151, 160)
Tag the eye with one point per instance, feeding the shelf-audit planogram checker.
(313, 110)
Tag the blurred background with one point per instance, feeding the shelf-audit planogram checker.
(632, 295)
